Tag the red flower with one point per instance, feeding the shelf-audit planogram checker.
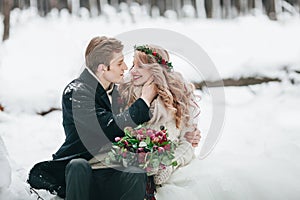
(125, 142)
(163, 61)
(154, 53)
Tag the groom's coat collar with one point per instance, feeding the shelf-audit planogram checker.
(88, 78)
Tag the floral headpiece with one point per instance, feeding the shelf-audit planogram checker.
(158, 58)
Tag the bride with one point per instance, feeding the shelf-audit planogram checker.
(176, 109)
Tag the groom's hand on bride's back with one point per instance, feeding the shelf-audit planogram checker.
(193, 137)
(149, 91)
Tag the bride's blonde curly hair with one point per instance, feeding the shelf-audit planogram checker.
(175, 92)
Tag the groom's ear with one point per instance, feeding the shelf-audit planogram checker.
(101, 68)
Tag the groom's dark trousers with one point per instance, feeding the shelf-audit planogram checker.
(103, 184)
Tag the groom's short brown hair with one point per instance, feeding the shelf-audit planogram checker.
(100, 51)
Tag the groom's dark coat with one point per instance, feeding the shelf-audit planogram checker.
(89, 123)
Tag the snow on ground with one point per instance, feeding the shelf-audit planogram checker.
(260, 144)
(260, 141)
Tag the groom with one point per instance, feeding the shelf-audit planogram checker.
(90, 119)
(90, 105)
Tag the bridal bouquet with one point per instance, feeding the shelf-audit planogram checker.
(143, 147)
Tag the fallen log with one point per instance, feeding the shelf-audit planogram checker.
(243, 81)
(297, 71)
(43, 113)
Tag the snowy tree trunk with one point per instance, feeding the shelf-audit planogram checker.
(200, 7)
(278, 7)
(54, 4)
(33, 3)
(114, 3)
(102, 3)
(243, 6)
(237, 6)
(1, 5)
(21, 4)
(147, 5)
(209, 8)
(259, 6)
(177, 7)
(216, 9)
(251, 4)
(226, 9)
(162, 7)
(63, 4)
(93, 8)
(188, 9)
(75, 6)
(43, 7)
(271, 9)
(170, 5)
(6, 21)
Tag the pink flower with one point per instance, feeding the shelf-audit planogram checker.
(167, 147)
(141, 157)
(117, 139)
(149, 132)
(143, 130)
(140, 149)
(162, 166)
(139, 137)
(152, 136)
(124, 154)
(148, 169)
(161, 149)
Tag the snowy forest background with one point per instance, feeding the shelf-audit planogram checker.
(254, 45)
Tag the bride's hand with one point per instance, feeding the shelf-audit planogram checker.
(193, 137)
(163, 175)
(149, 91)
